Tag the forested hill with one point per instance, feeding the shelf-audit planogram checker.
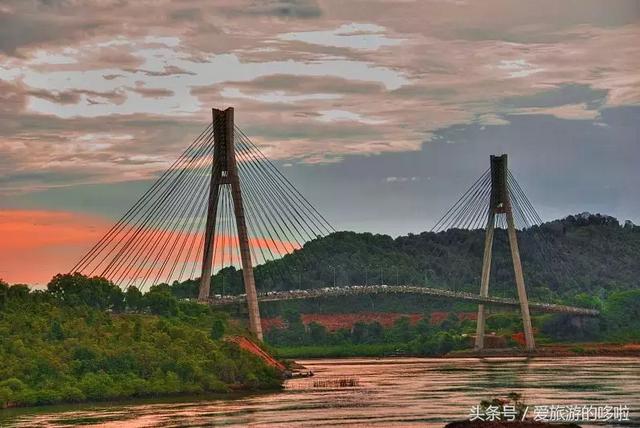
(585, 253)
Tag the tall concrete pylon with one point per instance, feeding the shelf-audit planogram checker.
(224, 171)
(500, 203)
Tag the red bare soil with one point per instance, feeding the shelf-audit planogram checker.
(271, 323)
(334, 322)
(438, 317)
(255, 349)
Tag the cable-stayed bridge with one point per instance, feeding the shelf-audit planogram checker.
(224, 203)
(361, 290)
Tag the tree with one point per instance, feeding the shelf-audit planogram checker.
(4, 293)
(317, 333)
(401, 330)
(292, 316)
(452, 322)
(56, 332)
(77, 289)
(423, 326)
(570, 327)
(622, 314)
(375, 332)
(54, 351)
(133, 299)
(137, 329)
(359, 332)
(18, 292)
(217, 329)
(161, 302)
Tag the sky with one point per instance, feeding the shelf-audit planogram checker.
(382, 113)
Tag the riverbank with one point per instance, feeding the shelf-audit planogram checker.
(341, 351)
(81, 348)
(405, 392)
(559, 350)
(400, 349)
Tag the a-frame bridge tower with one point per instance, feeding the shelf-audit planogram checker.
(500, 203)
(495, 201)
(220, 205)
(224, 172)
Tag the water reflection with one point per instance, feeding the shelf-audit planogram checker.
(389, 392)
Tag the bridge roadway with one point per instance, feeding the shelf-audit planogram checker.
(356, 290)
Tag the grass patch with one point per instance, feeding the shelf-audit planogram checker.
(337, 351)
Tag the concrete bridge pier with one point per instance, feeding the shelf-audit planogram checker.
(225, 172)
(500, 203)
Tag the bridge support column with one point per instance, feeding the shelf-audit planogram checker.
(500, 203)
(484, 285)
(225, 172)
(522, 292)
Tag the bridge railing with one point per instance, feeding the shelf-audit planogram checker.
(354, 290)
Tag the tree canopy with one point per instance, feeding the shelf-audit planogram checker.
(84, 339)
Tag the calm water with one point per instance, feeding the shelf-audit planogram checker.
(390, 392)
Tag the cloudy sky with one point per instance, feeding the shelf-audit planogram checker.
(382, 113)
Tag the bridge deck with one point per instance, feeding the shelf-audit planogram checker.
(317, 293)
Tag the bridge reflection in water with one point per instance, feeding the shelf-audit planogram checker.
(356, 290)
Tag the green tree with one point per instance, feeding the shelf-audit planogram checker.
(317, 333)
(134, 299)
(161, 302)
(18, 292)
(77, 289)
(217, 329)
(4, 293)
(292, 316)
(137, 329)
(452, 322)
(401, 330)
(55, 331)
(53, 351)
(622, 314)
(359, 332)
(375, 332)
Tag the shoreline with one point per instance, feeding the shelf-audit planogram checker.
(553, 351)
(178, 397)
(550, 351)
(238, 393)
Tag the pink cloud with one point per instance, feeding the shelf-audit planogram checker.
(395, 73)
(39, 244)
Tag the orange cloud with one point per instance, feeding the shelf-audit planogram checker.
(37, 244)
(157, 255)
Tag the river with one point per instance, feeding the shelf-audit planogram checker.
(385, 392)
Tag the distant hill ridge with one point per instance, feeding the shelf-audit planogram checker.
(582, 253)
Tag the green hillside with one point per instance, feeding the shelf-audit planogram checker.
(585, 254)
(83, 339)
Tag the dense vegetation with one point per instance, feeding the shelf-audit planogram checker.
(590, 254)
(619, 322)
(84, 339)
(372, 338)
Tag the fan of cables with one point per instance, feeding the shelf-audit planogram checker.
(471, 211)
(160, 238)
